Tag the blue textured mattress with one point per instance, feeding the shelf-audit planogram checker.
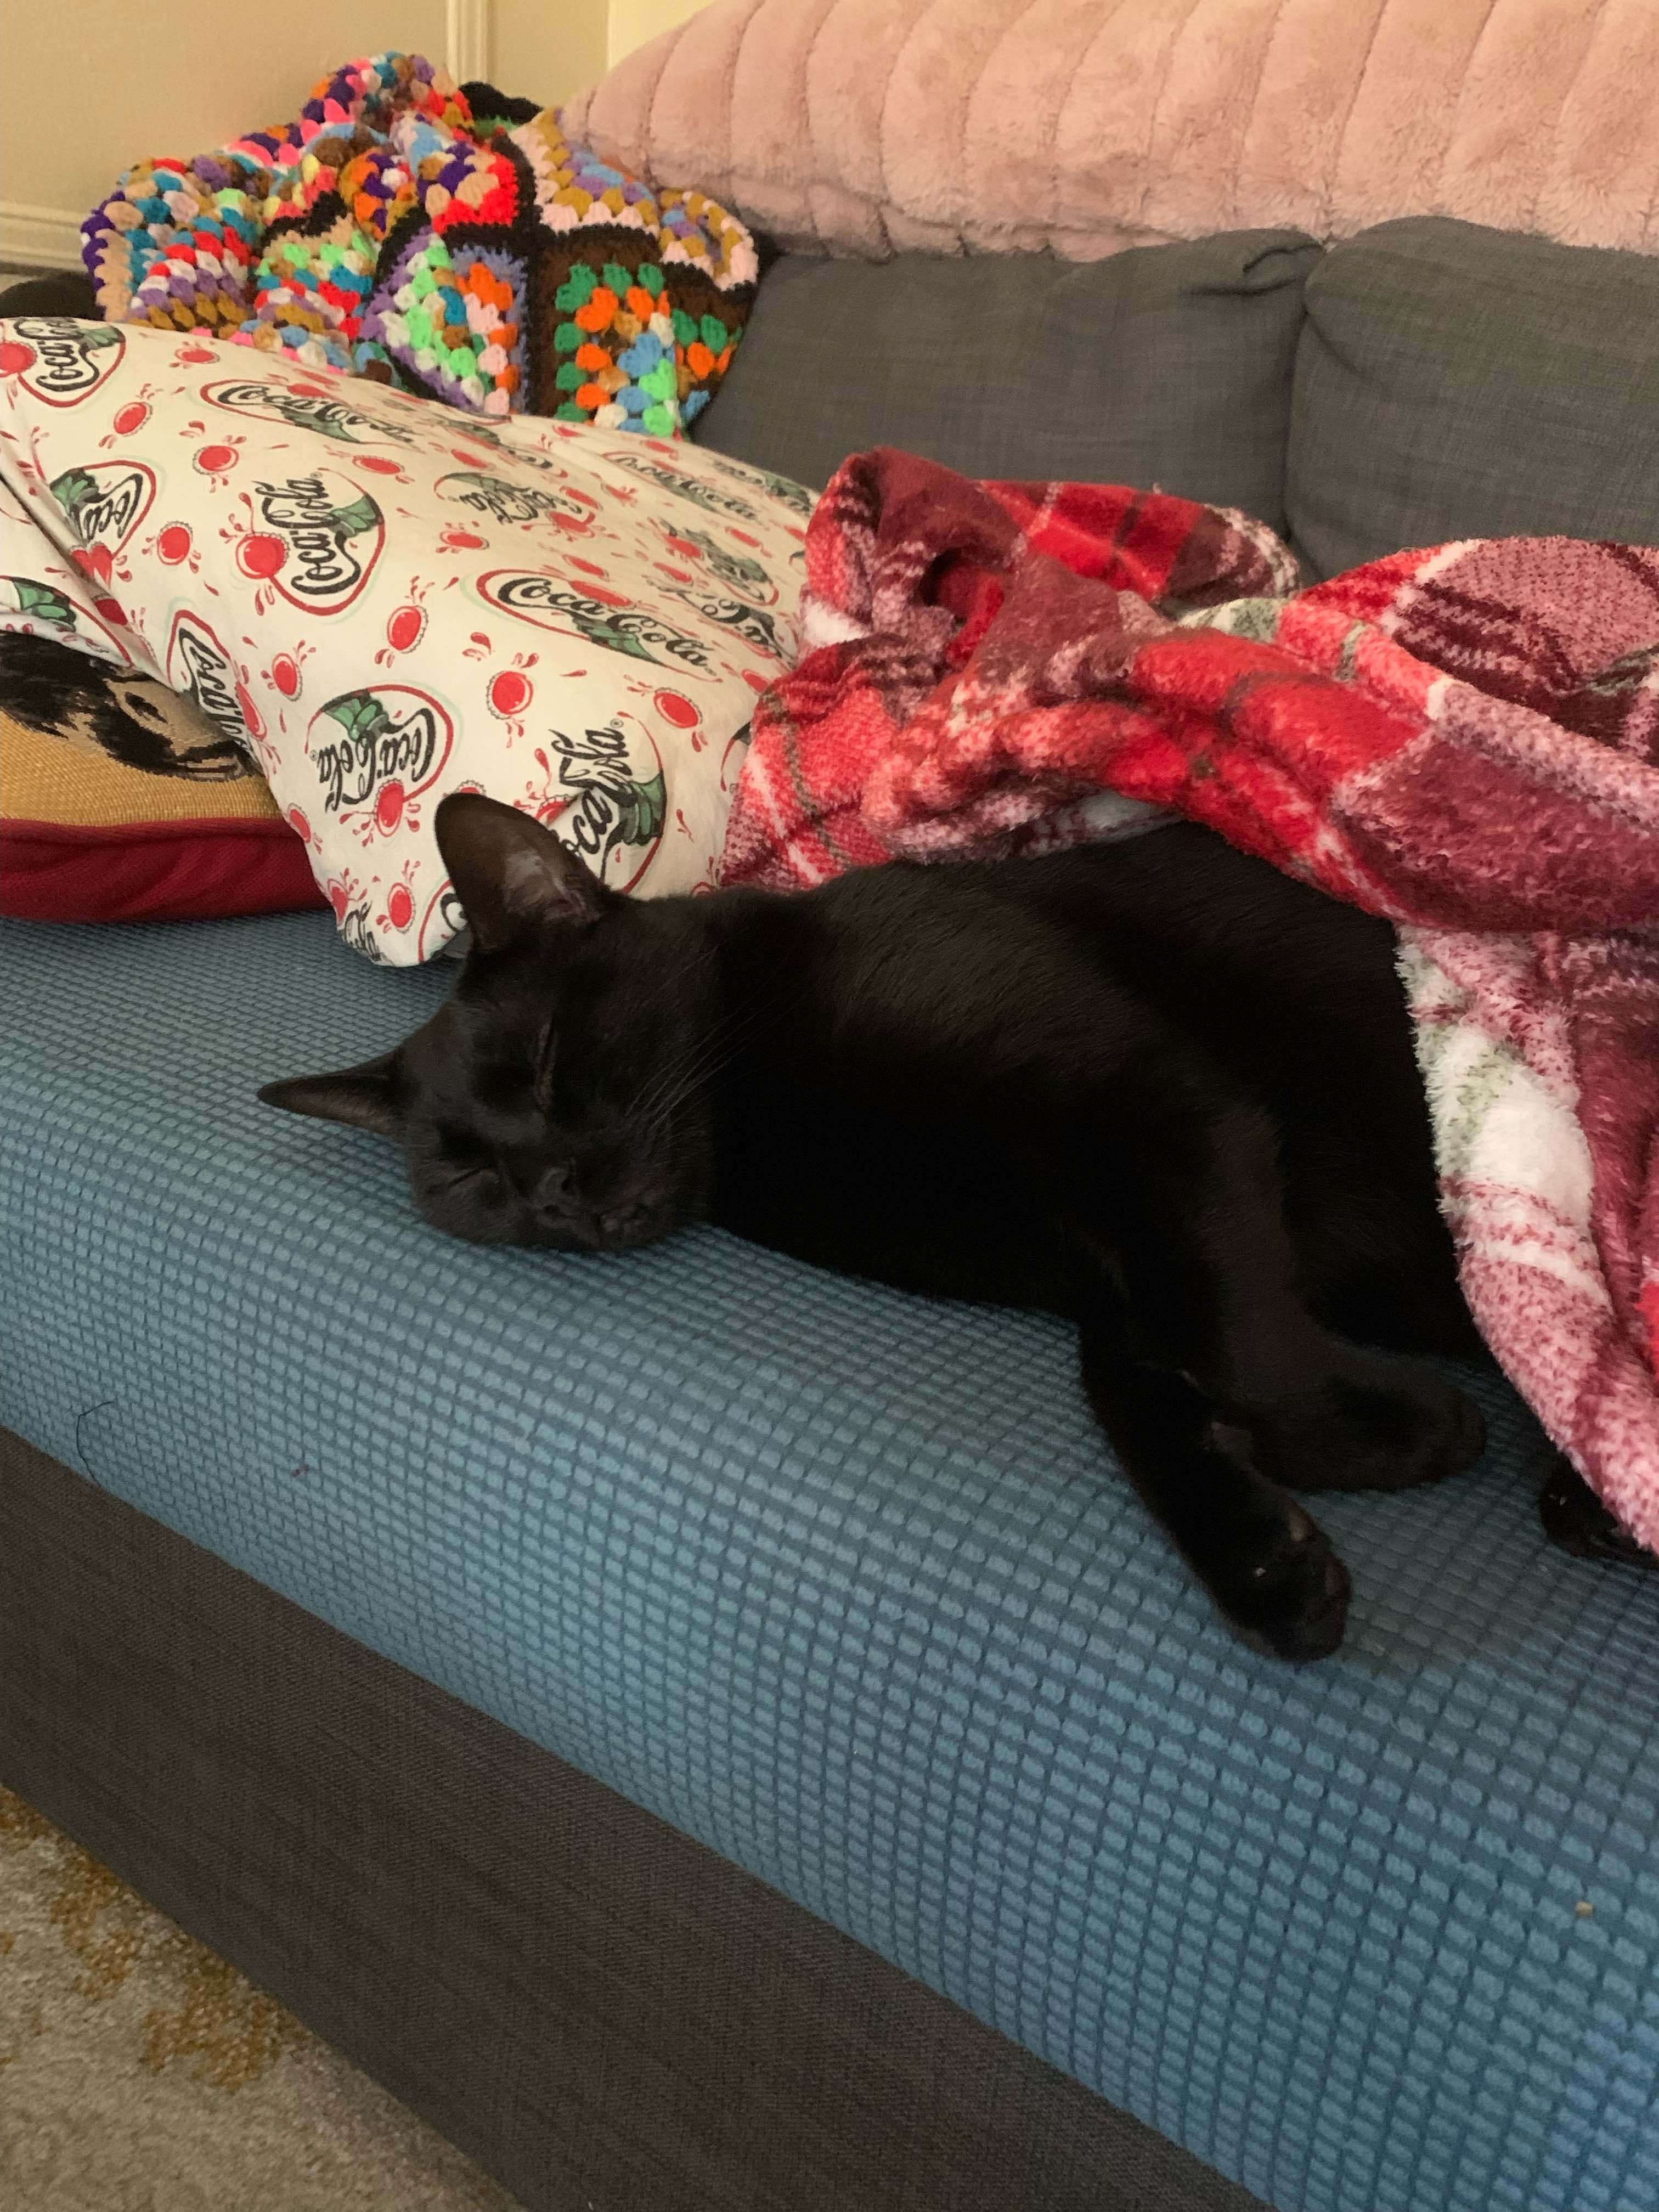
(841, 1583)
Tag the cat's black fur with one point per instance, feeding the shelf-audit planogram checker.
(1155, 1086)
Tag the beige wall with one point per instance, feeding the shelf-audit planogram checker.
(124, 89)
(545, 50)
(634, 21)
(138, 91)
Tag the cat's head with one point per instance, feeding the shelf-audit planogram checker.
(561, 1096)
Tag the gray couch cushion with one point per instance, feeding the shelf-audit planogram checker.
(1454, 382)
(1169, 365)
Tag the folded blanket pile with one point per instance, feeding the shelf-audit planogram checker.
(449, 240)
(1464, 740)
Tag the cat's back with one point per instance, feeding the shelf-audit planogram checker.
(1298, 993)
(1291, 987)
(1175, 922)
(1183, 897)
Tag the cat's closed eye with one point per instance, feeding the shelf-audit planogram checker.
(479, 1180)
(464, 1163)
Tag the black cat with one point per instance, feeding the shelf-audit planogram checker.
(1155, 1086)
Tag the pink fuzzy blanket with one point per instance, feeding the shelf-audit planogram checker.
(1465, 740)
(871, 126)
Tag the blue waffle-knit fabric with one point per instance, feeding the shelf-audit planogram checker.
(841, 1583)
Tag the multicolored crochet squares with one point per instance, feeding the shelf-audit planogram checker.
(449, 240)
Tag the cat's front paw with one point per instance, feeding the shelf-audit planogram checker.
(1282, 1588)
(1369, 1423)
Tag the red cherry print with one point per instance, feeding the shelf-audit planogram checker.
(587, 568)
(112, 612)
(684, 547)
(756, 683)
(298, 824)
(404, 631)
(285, 675)
(379, 463)
(214, 460)
(677, 575)
(675, 708)
(743, 538)
(400, 906)
(194, 353)
(338, 895)
(94, 561)
(173, 546)
(460, 541)
(389, 807)
(250, 713)
(260, 555)
(307, 391)
(509, 693)
(608, 598)
(133, 417)
(471, 460)
(14, 358)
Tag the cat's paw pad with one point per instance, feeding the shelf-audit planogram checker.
(1282, 1588)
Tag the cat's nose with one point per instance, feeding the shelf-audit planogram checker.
(623, 1222)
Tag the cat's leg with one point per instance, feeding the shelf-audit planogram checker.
(1268, 1567)
(1181, 1207)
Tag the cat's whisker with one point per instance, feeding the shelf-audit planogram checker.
(675, 1083)
(664, 1078)
(721, 1050)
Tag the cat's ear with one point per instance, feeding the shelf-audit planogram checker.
(365, 1097)
(509, 873)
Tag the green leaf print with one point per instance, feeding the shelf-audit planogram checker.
(72, 490)
(360, 714)
(352, 520)
(641, 809)
(41, 602)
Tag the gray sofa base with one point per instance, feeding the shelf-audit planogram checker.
(600, 2011)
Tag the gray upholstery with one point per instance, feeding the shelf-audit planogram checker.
(1454, 382)
(1167, 366)
(601, 2011)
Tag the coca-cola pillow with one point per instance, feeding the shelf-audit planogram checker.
(383, 600)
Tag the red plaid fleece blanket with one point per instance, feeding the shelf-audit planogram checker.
(1465, 740)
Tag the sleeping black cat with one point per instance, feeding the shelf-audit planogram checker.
(1155, 1086)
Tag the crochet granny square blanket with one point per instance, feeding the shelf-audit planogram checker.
(446, 238)
(1464, 740)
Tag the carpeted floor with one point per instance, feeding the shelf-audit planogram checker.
(139, 2073)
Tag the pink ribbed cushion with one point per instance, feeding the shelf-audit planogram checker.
(1083, 126)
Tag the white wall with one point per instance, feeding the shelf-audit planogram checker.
(137, 91)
